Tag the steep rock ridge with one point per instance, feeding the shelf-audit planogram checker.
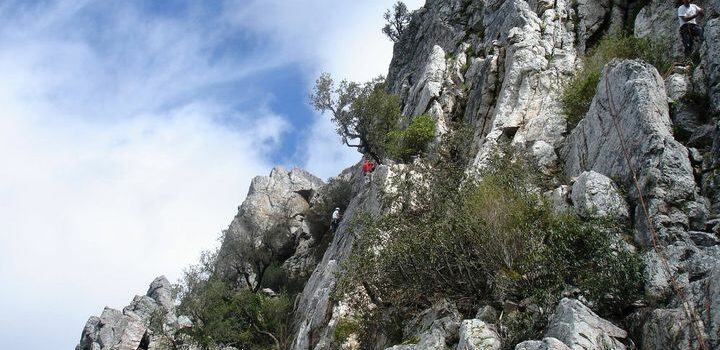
(662, 164)
(281, 198)
(676, 210)
(501, 72)
(539, 56)
(317, 315)
(129, 329)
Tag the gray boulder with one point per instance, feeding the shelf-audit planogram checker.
(545, 344)
(596, 195)
(434, 328)
(477, 335)
(581, 329)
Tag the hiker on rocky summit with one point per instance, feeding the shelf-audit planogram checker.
(689, 28)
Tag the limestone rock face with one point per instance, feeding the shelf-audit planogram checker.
(128, 329)
(711, 62)
(477, 335)
(315, 317)
(593, 15)
(281, 198)
(662, 164)
(595, 195)
(529, 54)
(581, 329)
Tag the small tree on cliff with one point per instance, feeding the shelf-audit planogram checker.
(364, 114)
(396, 21)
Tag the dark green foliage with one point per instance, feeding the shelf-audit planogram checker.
(239, 318)
(396, 21)
(486, 242)
(364, 114)
(579, 91)
(347, 326)
(404, 144)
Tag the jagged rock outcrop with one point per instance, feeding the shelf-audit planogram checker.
(581, 329)
(129, 329)
(500, 66)
(631, 96)
(532, 47)
(277, 202)
(436, 328)
(666, 177)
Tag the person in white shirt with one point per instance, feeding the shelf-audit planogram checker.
(336, 216)
(689, 28)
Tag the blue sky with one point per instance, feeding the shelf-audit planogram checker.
(130, 130)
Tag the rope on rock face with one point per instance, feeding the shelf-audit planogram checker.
(689, 310)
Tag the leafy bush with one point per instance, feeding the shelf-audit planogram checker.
(404, 144)
(486, 242)
(579, 91)
(364, 114)
(224, 316)
(347, 326)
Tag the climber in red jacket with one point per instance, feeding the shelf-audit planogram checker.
(368, 166)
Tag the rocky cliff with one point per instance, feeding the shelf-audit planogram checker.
(646, 153)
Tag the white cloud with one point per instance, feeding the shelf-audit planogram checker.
(115, 169)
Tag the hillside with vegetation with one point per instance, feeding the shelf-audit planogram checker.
(546, 178)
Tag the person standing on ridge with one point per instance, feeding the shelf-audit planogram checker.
(689, 29)
(336, 216)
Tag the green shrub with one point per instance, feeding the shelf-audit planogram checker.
(486, 242)
(404, 144)
(579, 92)
(224, 316)
(345, 327)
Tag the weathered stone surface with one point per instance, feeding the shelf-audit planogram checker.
(435, 328)
(430, 340)
(535, 55)
(593, 15)
(477, 335)
(662, 164)
(581, 329)
(280, 198)
(315, 318)
(667, 329)
(711, 62)
(545, 344)
(442, 316)
(125, 330)
(595, 195)
(677, 84)
(658, 20)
